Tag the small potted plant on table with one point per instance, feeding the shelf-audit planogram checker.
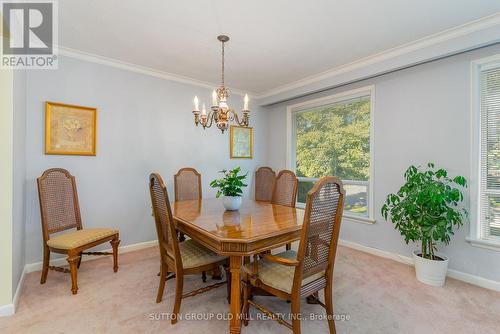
(426, 209)
(231, 187)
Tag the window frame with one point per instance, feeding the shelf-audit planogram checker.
(330, 99)
(474, 237)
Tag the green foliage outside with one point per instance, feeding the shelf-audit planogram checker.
(426, 208)
(335, 140)
(231, 184)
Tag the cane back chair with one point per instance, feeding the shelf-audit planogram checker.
(187, 186)
(264, 184)
(291, 275)
(285, 188)
(60, 211)
(182, 258)
(285, 191)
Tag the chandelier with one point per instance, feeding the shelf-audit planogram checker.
(220, 112)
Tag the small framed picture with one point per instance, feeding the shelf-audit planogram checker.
(241, 142)
(69, 129)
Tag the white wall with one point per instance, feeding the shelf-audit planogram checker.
(6, 189)
(421, 114)
(19, 177)
(144, 124)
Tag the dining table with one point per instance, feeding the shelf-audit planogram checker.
(255, 228)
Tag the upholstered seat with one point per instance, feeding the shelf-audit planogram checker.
(195, 255)
(182, 258)
(278, 275)
(291, 275)
(60, 211)
(80, 237)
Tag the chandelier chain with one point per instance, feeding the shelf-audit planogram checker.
(223, 64)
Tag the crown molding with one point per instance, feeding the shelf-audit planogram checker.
(404, 49)
(112, 62)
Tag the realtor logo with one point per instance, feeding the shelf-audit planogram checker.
(29, 34)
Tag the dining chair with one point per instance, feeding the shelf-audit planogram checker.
(264, 184)
(285, 191)
(291, 275)
(187, 186)
(60, 211)
(181, 258)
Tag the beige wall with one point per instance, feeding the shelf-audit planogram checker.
(6, 157)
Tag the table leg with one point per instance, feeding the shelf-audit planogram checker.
(235, 308)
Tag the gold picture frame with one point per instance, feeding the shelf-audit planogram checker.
(241, 142)
(70, 129)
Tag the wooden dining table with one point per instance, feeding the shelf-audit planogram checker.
(254, 228)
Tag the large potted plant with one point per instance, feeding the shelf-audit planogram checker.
(427, 209)
(231, 187)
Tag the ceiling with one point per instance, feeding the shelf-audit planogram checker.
(273, 43)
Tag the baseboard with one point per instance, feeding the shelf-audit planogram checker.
(19, 289)
(7, 310)
(37, 266)
(452, 273)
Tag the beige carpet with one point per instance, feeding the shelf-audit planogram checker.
(375, 295)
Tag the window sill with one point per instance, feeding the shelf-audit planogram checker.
(355, 219)
(487, 244)
(349, 218)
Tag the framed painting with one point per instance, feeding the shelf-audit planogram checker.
(241, 142)
(69, 129)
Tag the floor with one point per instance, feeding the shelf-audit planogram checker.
(371, 295)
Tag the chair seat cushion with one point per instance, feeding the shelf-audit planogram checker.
(79, 238)
(277, 275)
(195, 255)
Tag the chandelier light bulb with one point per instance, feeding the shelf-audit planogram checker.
(245, 105)
(214, 98)
(196, 105)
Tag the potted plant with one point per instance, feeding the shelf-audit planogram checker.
(426, 209)
(231, 186)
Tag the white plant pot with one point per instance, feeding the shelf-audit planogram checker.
(432, 272)
(232, 203)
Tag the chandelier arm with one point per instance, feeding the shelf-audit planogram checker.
(236, 118)
(210, 119)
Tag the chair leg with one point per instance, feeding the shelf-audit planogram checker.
(73, 264)
(114, 244)
(179, 282)
(45, 268)
(204, 276)
(228, 283)
(295, 315)
(79, 261)
(163, 279)
(182, 237)
(288, 246)
(216, 274)
(329, 307)
(246, 296)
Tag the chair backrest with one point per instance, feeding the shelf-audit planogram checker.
(285, 188)
(165, 228)
(264, 184)
(321, 227)
(58, 198)
(187, 184)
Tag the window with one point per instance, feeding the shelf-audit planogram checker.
(486, 107)
(332, 136)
